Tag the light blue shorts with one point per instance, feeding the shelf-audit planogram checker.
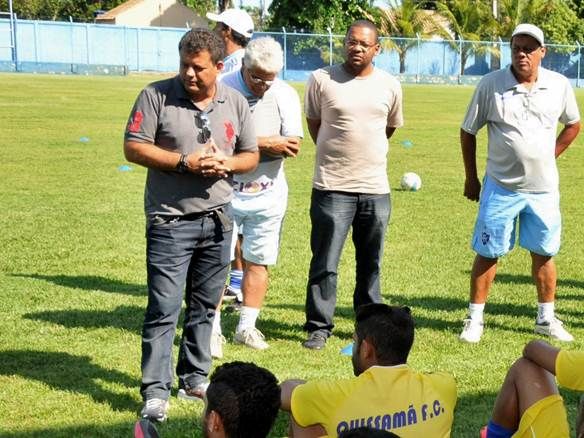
(540, 221)
(259, 220)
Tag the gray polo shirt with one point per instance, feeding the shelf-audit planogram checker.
(522, 127)
(164, 115)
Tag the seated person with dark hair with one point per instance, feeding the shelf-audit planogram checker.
(529, 403)
(242, 400)
(386, 393)
(367, 432)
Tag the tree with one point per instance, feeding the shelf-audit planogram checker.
(405, 19)
(472, 22)
(316, 15)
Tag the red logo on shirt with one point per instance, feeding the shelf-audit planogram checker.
(136, 122)
(229, 132)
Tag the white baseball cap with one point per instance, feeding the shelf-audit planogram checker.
(531, 30)
(236, 19)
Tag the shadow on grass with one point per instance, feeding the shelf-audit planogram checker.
(90, 282)
(129, 318)
(66, 372)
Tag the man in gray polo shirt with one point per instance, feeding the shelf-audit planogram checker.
(521, 106)
(192, 134)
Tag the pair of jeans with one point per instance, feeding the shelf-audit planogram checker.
(331, 214)
(189, 254)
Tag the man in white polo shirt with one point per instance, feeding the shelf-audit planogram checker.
(521, 106)
(261, 196)
(235, 27)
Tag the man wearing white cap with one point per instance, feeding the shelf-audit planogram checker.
(521, 106)
(235, 27)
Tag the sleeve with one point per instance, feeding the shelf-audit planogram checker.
(315, 402)
(395, 117)
(143, 120)
(247, 140)
(312, 98)
(570, 369)
(476, 113)
(290, 112)
(446, 386)
(570, 114)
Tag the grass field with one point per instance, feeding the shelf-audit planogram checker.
(72, 274)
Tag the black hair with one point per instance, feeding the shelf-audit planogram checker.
(364, 23)
(389, 328)
(246, 397)
(367, 432)
(198, 39)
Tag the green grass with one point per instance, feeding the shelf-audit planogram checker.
(72, 274)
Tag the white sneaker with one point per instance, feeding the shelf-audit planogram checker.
(217, 341)
(554, 329)
(472, 331)
(251, 337)
(232, 294)
(155, 409)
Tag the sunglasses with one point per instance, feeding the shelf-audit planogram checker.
(202, 122)
(259, 81)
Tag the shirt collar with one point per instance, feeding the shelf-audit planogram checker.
(511, 81)
(220, 95)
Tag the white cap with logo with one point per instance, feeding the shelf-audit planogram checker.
(531, 30)
(236, 19)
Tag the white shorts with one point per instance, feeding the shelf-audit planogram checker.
(259, 220)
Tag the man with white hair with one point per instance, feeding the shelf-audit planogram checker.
(261, 197)
(235, 28)
(521, 106)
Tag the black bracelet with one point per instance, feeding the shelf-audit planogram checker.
(182, 166)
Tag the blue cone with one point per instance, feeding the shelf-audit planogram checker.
(84, 139)
(124, 168)
(407, 143)
(348, 350)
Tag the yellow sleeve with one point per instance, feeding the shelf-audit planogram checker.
(315, 402)
(446, 386)
(570, 369)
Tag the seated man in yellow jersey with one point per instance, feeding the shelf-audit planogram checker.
(529, 404)
(386, 393)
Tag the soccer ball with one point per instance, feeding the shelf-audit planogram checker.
(411, 182)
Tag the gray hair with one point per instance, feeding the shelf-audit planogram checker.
(264, 53)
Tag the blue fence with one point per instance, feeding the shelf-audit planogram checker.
(63, 47)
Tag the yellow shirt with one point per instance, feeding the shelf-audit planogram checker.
(407, 402)
(570, 369)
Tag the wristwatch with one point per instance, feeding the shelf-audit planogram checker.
(182, 166)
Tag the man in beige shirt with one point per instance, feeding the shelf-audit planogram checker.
(351, 110)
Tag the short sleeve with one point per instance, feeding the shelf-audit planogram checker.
(143, 120)
(395, 117)
(312, 98)
(570, 114)
(570, 369)
(476, 113)
(315, 402)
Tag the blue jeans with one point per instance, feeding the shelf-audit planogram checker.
(190, 254)
(331, 214)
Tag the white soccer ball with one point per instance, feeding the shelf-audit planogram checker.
(411, 182)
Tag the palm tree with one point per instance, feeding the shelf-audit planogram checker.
(470, 21)
(404, 19)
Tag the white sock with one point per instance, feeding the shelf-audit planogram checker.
(247, 318)
(217, 322)
(475, 311)
(545, 312)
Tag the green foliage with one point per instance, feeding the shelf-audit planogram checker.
(316, 15)
(201, 7)
(59, 10)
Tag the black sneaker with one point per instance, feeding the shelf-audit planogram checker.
(315, 341)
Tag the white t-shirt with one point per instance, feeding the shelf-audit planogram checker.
(352, 146)
(276, 113)
(522, 127)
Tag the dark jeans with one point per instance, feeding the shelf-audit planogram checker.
(331, 214)
(190, 254)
